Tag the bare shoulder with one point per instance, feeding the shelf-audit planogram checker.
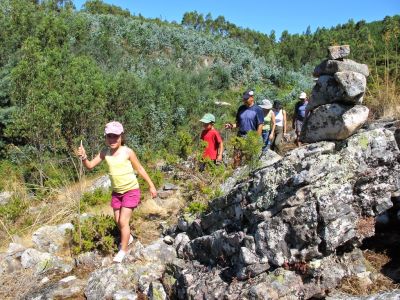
(128, 151)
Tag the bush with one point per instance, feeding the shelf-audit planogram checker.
(95, 233)
(250, 146)
(156, 176)
(196, 208)
(11, 211)
(90, 199)
(14, 175)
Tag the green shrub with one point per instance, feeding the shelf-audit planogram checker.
(90, 199)
(196, 207)
(156, 176)
(11, 211)
(181, 144)
(14, 175)
(251, 146)
(95, 233)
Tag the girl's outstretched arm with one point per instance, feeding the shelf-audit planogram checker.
(142, 172)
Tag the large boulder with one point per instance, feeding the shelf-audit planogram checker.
(325, 91)
(353, 84)
(333, 122)
(344, 87)
(330, 67)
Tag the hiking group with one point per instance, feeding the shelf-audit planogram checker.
(267, 119)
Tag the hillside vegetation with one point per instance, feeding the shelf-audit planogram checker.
(64, 73)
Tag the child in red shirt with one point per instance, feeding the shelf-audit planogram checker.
(215, 146)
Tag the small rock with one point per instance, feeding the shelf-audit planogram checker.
(338, 52)
(124, 295)
(165, 194)
(170, 186)
(5, 197)
(168, 240)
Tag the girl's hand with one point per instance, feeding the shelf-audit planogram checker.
(153, 192)
(228, 126)
(82, 152)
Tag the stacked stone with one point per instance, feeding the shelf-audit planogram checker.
(335, 104)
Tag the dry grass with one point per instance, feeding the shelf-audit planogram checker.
(366, 226)
(376, 260)
(59, 207)
(383, 99)
(17, 284)
(147, 218)
(354, 285)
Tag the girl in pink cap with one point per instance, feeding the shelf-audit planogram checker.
(121, 162)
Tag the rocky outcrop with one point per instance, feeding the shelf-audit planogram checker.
(295, 216)
(335, 104)
(52, 238)
(143, 271)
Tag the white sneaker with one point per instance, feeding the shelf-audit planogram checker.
(119, 257)
(130, 241)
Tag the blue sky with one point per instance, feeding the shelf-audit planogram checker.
(266, 15)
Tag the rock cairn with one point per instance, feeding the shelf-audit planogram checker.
(335, 104)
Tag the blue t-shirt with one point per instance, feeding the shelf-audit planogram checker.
(249, 118)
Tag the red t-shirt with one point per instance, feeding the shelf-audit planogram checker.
(213, 140)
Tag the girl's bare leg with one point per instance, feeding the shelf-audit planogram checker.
(122, 218)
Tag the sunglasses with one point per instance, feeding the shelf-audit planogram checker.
(112, 136)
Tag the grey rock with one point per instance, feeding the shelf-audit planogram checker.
(103, 283)
(15, 249)
(89, 259)
(165, 194)
(168, 240)
(52, 238)
(330, 67)
(170, 186)
(157, 251)
(5, 197)
(183, 224)
(325, 91)
(180, 242)
(247, 257)
(268, 158)
(9, 264)
(333, 122)
(239, 174)
(353, 84)
(102, 182)
(124, 295)
(338, 52)
(42, 262)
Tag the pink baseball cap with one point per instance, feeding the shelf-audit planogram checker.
(114, 127)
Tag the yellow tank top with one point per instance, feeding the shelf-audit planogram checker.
(121, 174)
